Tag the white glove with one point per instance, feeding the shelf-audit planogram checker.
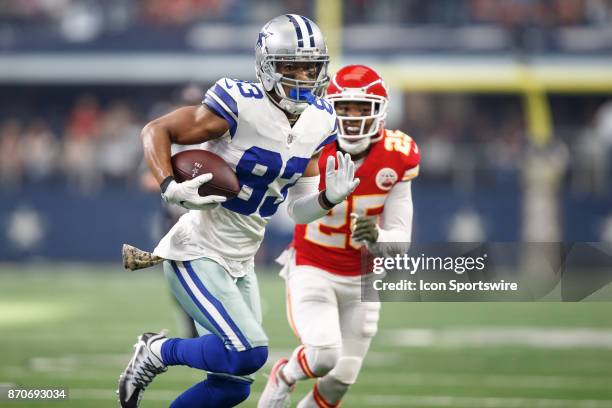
(340, 183)
(186, 194)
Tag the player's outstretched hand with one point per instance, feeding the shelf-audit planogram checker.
(364, 228)
(186, 194)
(340, 183)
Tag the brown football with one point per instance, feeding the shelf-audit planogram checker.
(192, 163)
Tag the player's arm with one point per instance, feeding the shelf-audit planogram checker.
(396, 220)
(395, 229)
(306, 203)
(184, 126)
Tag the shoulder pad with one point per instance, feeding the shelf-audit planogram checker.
(221, 99)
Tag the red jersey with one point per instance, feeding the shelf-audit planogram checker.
(327, 242)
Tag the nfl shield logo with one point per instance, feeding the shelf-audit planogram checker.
(290, 138)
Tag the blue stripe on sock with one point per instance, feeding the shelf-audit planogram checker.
(298, 30)
(218, 305)
(225, 337)
(219, 110)
(310, 33)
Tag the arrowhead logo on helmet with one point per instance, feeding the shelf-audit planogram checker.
(359, 84)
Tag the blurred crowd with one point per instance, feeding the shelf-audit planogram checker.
(472, 141)
(468, 141)
(95, 145)
(146, 12)
(161, 12)
(550, 13)
(559, 26)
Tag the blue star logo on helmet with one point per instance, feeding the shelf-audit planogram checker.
(262, 36)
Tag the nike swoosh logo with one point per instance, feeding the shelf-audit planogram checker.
(227, 84)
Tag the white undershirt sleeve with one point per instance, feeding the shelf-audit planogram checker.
(303, 201)
(395, 228)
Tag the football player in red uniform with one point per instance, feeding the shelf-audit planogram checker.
(322, 268)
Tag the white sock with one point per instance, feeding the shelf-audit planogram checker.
(283, 382)
(293, 370)
(308, 401)
(331, 390)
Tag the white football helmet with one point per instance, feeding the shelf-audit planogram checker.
(291, 38)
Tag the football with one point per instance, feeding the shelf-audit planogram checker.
(189, 164)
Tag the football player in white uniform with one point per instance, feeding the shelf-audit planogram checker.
(271, 132)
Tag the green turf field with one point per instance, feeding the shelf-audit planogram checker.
(74, 326)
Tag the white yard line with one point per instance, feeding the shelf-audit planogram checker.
(389, 400)
(533, 337)
(152, 395)
(477, 402)
(72, 368)
(465, 380)
(102, 394)
(75, 361)
(490, 381)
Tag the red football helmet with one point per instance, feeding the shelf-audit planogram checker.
(358, 83)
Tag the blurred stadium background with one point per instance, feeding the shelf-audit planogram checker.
(509, 101)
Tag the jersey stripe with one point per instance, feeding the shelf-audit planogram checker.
(327, 141)
(303, 362)
(309, 28)
(320, 401)
(217, 304)
(298, 30)
(201, 303)
(217, 106)
(226, 98)
(411, 173)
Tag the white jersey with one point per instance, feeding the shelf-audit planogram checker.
(268, 156)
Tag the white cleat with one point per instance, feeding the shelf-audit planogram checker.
(277, 393)
(140, 371)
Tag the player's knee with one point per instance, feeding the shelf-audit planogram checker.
(257, 359)
(322, 359)
(230, 391)
(248, 361)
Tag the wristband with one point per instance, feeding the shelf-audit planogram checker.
(165, 183)
(324, 201)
